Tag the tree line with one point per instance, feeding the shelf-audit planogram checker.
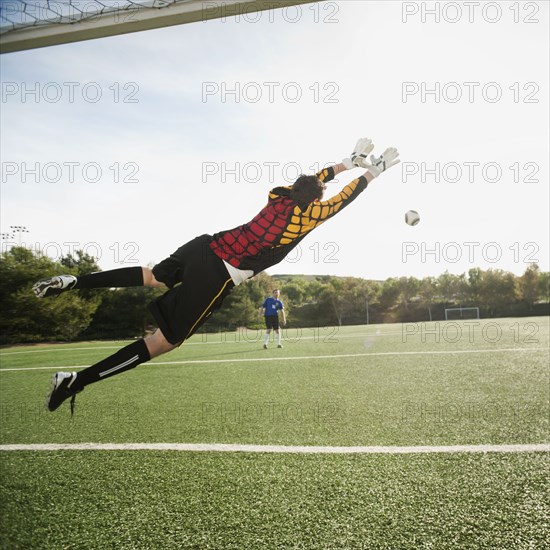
(309, 300)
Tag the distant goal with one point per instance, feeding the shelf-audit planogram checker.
(28, 24)
(459, 313)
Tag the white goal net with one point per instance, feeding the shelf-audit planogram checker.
(457, 313)
(22, 14)
(26, 24)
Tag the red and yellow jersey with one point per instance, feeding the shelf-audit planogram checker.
(280, 226)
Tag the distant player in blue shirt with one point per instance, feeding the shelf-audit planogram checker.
(270, 309)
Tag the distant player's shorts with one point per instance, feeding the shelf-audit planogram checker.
(198, 282)
(272, 321)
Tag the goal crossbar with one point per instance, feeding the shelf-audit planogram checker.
(133, 18)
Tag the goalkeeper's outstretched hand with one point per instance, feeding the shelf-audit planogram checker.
(389, 158)
(360, 154)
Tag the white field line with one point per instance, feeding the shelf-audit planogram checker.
(235, 448)
(232, 338)
(237, 338)
(280, 359)
(49, 350)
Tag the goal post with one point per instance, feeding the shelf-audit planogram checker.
(28, 24)
(458, 313)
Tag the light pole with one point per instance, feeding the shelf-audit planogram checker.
(19, 229)
(6, 238)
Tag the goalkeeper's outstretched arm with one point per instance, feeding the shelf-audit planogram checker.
(359, 159)
(337, 169)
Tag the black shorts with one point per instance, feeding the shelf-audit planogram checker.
(198, 282)
(272, 321)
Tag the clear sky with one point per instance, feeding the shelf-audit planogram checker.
(130, 146)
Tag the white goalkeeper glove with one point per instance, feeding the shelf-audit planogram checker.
(360, 154)
(386, 160)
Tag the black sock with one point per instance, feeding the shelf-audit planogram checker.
(125, 359)
(117, 278)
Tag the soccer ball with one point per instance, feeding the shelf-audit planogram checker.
(412, 217)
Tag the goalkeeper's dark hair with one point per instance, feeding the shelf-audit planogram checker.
(306, 189)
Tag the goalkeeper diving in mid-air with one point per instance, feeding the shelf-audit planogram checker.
(201, 273)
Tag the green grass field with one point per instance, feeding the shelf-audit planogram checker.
(426, 384)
